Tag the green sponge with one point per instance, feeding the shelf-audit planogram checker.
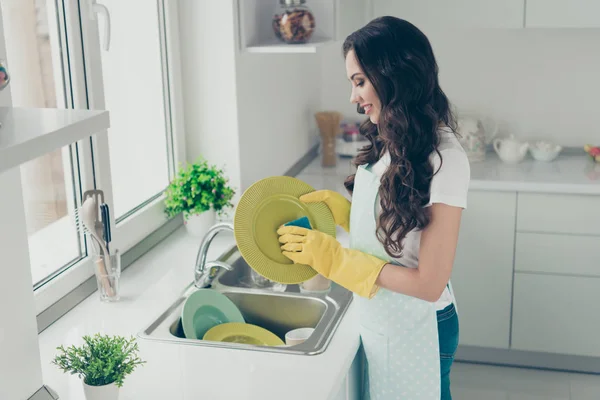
(301, 222)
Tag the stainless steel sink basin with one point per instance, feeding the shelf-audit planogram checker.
(279, 312)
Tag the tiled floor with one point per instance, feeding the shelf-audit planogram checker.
(475, 381)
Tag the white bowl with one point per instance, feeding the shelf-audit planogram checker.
(544, 151)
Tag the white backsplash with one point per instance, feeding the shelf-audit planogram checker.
(537, 83)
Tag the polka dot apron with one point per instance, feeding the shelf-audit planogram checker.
(398, 333)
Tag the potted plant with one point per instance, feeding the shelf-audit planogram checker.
(102, 361)
(199, 191)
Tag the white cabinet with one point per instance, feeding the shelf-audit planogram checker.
(351, 388)
(562, 14)
(428, 14)
(558, 213)
(557, 254)
(556, 314)
(483, 269)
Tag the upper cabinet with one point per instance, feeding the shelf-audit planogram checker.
(335, 19)
(430, 14)
(562, 14)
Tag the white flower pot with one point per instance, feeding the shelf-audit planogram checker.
(106, 392)
(197, 225)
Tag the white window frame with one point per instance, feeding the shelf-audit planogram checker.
(86, 78)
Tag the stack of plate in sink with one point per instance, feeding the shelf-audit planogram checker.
(205, 309)
(210, 315)
(262, 209)
(235, 332)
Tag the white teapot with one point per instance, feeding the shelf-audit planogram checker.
(510, 150)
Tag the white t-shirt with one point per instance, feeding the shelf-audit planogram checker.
(449, 186)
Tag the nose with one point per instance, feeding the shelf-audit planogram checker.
(354, 97)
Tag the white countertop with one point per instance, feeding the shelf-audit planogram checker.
(576, 174)
(149, 286)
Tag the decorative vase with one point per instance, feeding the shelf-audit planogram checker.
(198, 224)
(105, 392)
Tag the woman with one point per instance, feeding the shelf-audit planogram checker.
(407, 198)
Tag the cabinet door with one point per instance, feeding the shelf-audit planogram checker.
(428, 14)
(352, 385)
(562, 14)
(556, 314)
(483, 269)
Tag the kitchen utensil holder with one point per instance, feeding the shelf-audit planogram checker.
(108, 281)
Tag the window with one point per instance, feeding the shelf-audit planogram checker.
(58, 57)
(136, 94)
(33, 48)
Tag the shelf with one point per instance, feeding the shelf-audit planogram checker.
(28, 133)
(276, 46)
(256, 30)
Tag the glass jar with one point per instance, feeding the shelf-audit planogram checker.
(293, 22)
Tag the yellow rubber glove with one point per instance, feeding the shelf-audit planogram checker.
(352, 269)
(338, 204)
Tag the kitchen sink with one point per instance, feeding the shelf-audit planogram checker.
(277, 308)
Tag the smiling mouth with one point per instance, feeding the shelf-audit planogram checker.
(364, 109)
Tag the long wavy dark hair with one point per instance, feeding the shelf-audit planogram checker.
(398, 60)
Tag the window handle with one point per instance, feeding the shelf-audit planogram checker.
(98, 8)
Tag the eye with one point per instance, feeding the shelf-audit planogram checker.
(360, 83)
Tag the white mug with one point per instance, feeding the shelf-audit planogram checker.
(298, 336)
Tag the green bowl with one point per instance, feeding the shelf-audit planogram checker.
(205, 309)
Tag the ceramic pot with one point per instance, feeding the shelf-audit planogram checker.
(105, 392)
(510, 150)
(198, 224)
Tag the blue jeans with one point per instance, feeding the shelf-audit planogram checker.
(448, 341)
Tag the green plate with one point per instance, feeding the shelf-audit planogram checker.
(262, 209)
(205, 309)
(243, 333)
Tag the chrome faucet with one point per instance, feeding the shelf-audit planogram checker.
(205, 272)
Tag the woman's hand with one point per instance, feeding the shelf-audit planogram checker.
(338, 204)
(352, 269)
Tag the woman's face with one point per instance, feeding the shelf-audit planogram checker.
(363, 92)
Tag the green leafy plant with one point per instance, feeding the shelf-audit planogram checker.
(197, 188)
(101, 360)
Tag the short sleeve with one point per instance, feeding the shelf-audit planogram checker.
(450, 185)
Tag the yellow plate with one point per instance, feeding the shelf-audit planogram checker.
(262, 209)
(236, 332)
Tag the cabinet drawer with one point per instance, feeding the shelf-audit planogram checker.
(555, 253)
(556, 314)
(539, 212)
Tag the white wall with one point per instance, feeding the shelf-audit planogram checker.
(209, 80)
(538, 83)
(252, 113)
(278, 95)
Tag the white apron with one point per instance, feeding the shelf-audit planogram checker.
(399, 333)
